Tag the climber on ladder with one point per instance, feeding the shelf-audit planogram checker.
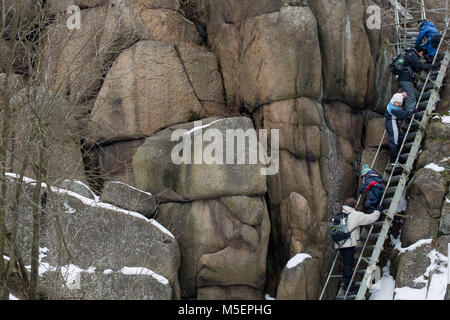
(393, 114)
(405, 65)
(373, 186)
(432, 37)
(351, 220)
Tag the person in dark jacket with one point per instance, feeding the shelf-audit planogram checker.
(392, 114)
(431, 35)
(406, 77)
(372, 185)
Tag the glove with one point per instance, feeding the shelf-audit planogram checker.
(380, 208)
(435, 66)
(416, 111)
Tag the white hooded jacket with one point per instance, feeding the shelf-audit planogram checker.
(356, 219)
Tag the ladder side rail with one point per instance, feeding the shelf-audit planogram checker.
(329, 275)
(377, 250)
(404, 27)
(397, 27)
(357, 264)
(423, 11)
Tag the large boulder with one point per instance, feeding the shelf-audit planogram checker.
(126, 284)
(437, 145)
(270, 57)
(375, 129)
(300, 176)
(299, 226)
(223, 246)
(348, 65)
(129, 198)
(296, 192)
(155, 170)
(300, 279)
(444, 224)
(426, 197)
(151, 86)
(413, 264)
(298, 122)
(280, 56)
(81, 233)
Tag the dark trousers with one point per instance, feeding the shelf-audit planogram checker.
(411, 99)
(348, 256)
(373, 198)
(395, 138)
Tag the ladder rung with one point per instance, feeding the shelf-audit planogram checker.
(368, 248)
(423, 105)
(426, 95)
(419, 115)
(391, 190)
(433, 74)
(360, 271)
(414, 126)
(411, 136)
(387, 202)
(407, 147)
(372, 236)
(397, 169)
(404, 157)
(349, 297)
(429, 86)
(394, 179)
(378, 225)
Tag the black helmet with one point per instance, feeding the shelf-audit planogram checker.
(420, 23)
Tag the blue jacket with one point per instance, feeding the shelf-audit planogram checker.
(371, 178)
(426, 32)
(396, 113)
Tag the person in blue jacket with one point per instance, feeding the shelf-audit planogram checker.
(372, 185)
(393, 114)
(431, 36)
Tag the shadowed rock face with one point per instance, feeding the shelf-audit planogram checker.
(427, 194)
(224, 246)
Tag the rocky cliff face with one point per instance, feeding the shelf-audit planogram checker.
(138, 70)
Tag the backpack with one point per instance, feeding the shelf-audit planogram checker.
(399, 64)
(338, 228)
(435, 40)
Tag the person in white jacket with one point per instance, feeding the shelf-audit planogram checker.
(355, 219)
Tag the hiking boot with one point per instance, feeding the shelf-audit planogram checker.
(353, 290)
